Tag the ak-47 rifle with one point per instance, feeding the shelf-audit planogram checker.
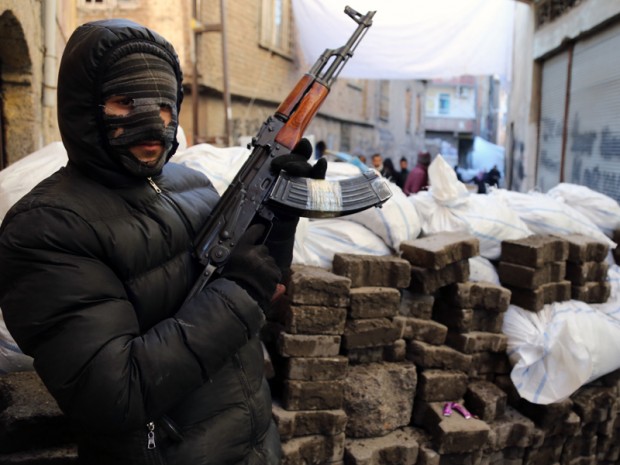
(256, 189)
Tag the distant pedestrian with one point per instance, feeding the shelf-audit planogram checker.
(401, 179)
(418, 178)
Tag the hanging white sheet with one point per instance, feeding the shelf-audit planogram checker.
(412, 39)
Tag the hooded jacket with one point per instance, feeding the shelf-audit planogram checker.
(95, 266)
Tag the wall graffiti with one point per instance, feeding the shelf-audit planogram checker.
(589, 160)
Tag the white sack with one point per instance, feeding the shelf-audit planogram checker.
(481, 269)
(220, 165)
(448, 206)
(560, 348)
(599, 208)
(395, 221)
(544, 214)
(317, 241)
(17, 179)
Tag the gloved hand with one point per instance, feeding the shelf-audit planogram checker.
(252, 268)
(296, 164)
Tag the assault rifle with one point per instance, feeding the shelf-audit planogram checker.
(256, 190)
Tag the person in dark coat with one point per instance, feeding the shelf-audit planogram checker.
(418, 177)
(403, 173)
(96, 263)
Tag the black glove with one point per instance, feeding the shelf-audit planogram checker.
(252, 268)
(296, 164)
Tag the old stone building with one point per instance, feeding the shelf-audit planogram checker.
(235, 94)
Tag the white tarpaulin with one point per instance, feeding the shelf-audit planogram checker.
(412, 39)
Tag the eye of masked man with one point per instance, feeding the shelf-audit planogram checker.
(140, 112)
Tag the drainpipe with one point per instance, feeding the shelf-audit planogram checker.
(49, 63)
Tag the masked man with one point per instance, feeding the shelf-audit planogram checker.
(96, 264)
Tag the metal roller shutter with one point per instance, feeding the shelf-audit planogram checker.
(593, 142)
(552, 109)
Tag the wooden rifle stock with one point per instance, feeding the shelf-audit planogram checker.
(256, 189)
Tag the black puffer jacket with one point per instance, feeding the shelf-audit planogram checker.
(94, 268)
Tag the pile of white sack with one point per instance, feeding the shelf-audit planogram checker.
(554, 351)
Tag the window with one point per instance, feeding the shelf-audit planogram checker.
(275, 30)
(444, 104)
(384, 100)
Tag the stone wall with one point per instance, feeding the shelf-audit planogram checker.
(397, 360)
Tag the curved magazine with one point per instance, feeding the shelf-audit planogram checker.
(313, 198)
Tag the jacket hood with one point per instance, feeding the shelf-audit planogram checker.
(91, 49)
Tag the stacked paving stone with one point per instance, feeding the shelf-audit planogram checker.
(474, 312)
(380, 383)
(534, 270)
(586, 269)
(440, 265)
(304, 333)
(584, 429)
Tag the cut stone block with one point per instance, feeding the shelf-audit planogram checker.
(476, 295)
(372, 270)
(535, 300)
(477, 341)
(593, 404)
(441, 385)
(429, 331)
(463, 320)
(592, 292)
(312, 395)
(442, 357)
(416, 305)
(315, 368)
(312, 319)
(311, 285)
(313, 449)
(486, 401)
(436, 251)
(512, 429)
(308, 422)
(581, 273)
(526, 277)
(427, 281)
(365, 355)
(378, 398)
(371, 332)
(374, 302)
(534, 251)
(582, 248)
(453, 434)
(494, 363)
(305, 345)
(398, 447)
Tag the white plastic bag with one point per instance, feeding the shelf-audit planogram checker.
(317, 241)
(544, 214)
(560, 348)
(20, 177)
(599, 208)
(448, 206)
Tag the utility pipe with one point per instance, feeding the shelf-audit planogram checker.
(49, 62)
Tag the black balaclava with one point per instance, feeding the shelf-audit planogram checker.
(150, 82)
